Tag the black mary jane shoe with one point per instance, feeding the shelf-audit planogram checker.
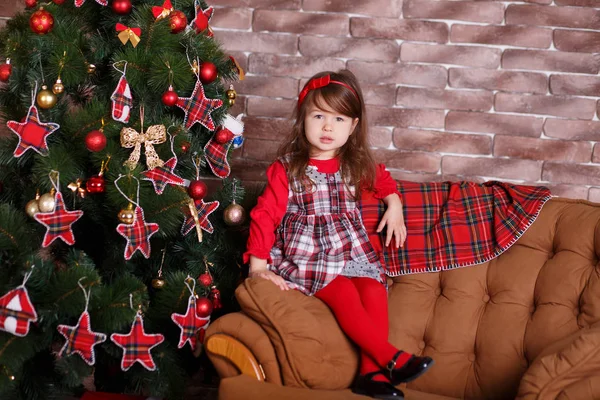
(366, 386)
(414, 368)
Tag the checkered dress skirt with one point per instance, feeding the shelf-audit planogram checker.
(322, 236)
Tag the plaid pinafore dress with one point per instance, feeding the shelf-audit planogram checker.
(322, 236)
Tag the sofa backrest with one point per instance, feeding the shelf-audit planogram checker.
(485, 324)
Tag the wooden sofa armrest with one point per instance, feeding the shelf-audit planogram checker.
(571, 367)
(239, 355)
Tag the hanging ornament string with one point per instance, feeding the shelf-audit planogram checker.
(54, 179)
(194, 64)
(33, 92)
(162, 261)
(192, 289)
(124, 71)
(27, 275)
(42, 70)
(86, 294)
(123, 193)
(170, 74)
(196, 163)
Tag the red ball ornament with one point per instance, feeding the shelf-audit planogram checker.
(208, 72)
(178, 21)
(30, 3)
(185, 146)
(121, 7)
(95, 184)
(197, 190)
(41, 22)
(223, 136)
(5, 71)
(203, 307)
(58, 2)
(205, 279)
(170, 97)
(95, 141)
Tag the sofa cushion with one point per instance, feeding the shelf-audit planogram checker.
(312, 350)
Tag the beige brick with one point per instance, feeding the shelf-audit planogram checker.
(560, 106)
(578, 3)
(436, 141)
(301, 22)
(499, 124)
(568, 191)
(264, 150)
(257, 42)
(594, 194)
(572, 129)
(267, 107)
(380, 136)
(384, 116)
(489, 12)
(379, 8)
(396, 73)
(471, 56)
(267, 128)
(409, 160)
(444, 99)
(274, 65)
(579, 41)
(362, 49)
(573, 174)
(232, 18)
(575, 85)
(270, 4)
(388, 28)
(538, 15)
(550, 61)
(509, 81)
(239, 107)
(9, 8)
(414, 177)
(542, 149)
(268, 86)
(492, 167)
(380, 95)
(596, 154)
(512, 35)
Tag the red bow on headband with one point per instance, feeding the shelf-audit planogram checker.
(127, 33)
(319, 83)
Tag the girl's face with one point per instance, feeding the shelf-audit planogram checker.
(327, 131)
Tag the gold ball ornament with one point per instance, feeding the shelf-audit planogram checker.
(234, 214)
(58, 87)
(158, 282)
(46, 202)
(31, 208)
(126, 215)
(91, 68)
(231, 95)
(45, 98)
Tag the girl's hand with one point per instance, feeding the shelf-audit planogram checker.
(271, 276)
(394, 219)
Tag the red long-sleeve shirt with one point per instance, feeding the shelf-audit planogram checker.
(272, 204)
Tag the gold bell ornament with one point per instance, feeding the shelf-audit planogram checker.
(58, 87)
(231, 95)
(126, 214)
(45, 98)
(91, 68)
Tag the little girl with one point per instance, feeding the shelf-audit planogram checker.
(307, 233)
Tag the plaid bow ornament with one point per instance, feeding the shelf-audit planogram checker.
(130, 138)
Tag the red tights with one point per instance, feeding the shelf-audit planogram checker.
(361, 308)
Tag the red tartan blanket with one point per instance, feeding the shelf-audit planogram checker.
(455, 224)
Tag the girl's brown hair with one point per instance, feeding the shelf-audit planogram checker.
(356, 160)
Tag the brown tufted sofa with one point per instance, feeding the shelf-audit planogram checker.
(525, 325)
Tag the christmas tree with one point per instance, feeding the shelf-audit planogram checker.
(114, 253)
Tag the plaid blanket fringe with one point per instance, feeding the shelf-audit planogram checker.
(456, 224)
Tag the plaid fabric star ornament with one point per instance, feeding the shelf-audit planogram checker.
(137, 345)
(137, 234)
(197, 108)
(216, 150)
(32, 133)
(58, 222)
(17, 311)
(81, 339)
(203, 210)
(79, 3)
(163, 176)
(189, 323)
(121, 99)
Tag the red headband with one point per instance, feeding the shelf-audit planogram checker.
(319, 83)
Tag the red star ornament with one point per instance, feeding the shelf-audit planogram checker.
(32, 133)
(81, 339)
(202, 19)
(204, 210)
(162, 176)
(137, 345)
(197, 108)
(58, 222)
(137, 234)
(189, 323)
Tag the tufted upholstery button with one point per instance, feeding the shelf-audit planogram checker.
(531, 309)
(576, 311)
(438, 292)
(486, 298)
(421, 345)
(471, 357)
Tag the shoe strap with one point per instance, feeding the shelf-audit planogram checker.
(392, 363)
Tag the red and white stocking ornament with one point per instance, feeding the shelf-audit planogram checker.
(190, 323)
(16, 310)
(121, 98)
(80, 338)
(217, 148)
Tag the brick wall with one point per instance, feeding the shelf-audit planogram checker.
(456, 90)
